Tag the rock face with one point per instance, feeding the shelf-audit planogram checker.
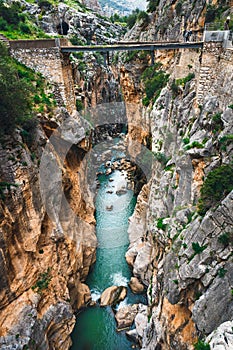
(222, 337)
(125, 316)
(73, 21)
(43, 260)
(179, 254)
(113, 295)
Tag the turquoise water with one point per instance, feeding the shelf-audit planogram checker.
(95, 327)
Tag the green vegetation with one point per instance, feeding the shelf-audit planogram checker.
(225, 141)
(16, 24)
(186, 140)
(6, 186)
(217, 124)
(180, 82)
(215, 13)
(15, 93)
(136, 16)
(79, 105)
(200, 345)
(161, 158)
(194, 144)
(185, 80)
(197, 248)
(154, 79)
(144, 17)
(152, 5)
(26, 89)
(132, 55)
(43, 281)
(218, 184)
(222, 272)
(179, 8)
(226, 238)
(161, 225)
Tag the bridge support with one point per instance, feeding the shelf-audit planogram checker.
(106, 58)
(152, 55)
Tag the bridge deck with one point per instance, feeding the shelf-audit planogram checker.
(148, 46)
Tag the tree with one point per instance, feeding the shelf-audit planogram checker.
(15, 94)
(152, 5)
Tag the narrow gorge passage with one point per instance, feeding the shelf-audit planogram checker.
(96, 327)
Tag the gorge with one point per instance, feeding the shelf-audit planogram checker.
(162, 132)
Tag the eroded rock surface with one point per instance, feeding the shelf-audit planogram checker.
(113, 295)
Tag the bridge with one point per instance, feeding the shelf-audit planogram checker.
(66, 47)
(133, 46)
(50, 57)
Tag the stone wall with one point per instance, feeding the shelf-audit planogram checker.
(51, 63)
(215, 73)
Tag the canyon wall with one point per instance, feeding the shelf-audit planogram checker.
(177, 252)
(43, 263)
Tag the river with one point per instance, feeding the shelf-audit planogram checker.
(96, 327)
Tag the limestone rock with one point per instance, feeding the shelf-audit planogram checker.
(113, 295)
(222, 337)
(141, 319)
(125, 316)
(83, 295)
(135, 285)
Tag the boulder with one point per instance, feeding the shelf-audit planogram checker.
(136, 286)
(109, 207)
(83, 295)
(125, 316)
(121, 191)
(113, 295)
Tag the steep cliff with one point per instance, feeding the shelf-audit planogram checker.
(180, 251)
(42, 271)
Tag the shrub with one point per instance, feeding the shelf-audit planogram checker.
(3, 24)
(161, 225)
(222, 272)
(217, 123)
(197, 248)
(43, 281)
(131, 19)
(144, 17)
(152, 5)
(174, 88)
(200, 345)
(25, 28)
(216, 186)
(13, 88)
(154, 80)
(11, 14)
(226, 238)
(79, 105)
(225, 141)
(185, 80)
(161, 158)
(194, 144)
(179, 8)
(186, 140)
